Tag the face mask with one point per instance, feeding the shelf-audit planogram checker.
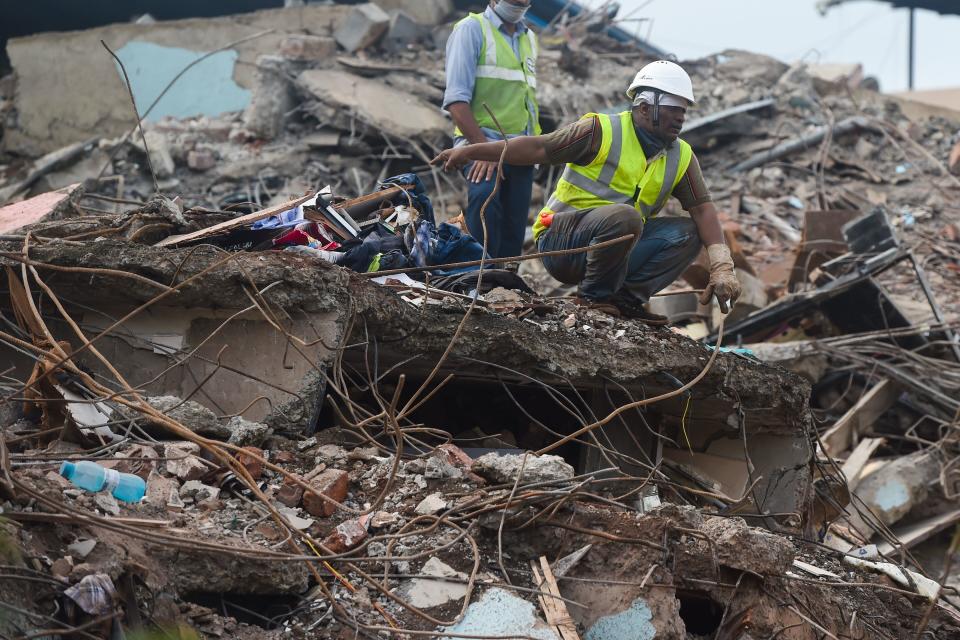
(510, 12)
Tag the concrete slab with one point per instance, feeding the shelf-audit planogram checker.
(376, 103)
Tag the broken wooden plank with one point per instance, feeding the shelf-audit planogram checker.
(554, 607)
(23, 516)
(860, 417)
(853, 468)
(230, 225)
(361, 207)
(913, 534)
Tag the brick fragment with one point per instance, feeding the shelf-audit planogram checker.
(332, 483)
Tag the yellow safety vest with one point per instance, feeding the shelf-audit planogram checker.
(506, 84)
(620, 174)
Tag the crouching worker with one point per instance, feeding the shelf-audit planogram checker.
(620, 170)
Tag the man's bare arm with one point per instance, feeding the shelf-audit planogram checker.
(522, 151)
(463, 117)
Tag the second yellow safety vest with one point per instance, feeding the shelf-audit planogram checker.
(506, 84)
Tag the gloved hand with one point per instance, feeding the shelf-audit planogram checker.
(723, 279)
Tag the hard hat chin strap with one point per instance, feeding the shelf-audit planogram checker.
(656, 108)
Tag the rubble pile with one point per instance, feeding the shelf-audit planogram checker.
(351, 422)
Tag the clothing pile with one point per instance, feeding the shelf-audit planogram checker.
(393, 228)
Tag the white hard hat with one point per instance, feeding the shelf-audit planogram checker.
(665, 76)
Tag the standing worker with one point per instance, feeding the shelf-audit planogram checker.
(620, 169)
(492, 59)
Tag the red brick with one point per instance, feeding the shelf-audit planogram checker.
(284, 457)
(346, 536)
(252, 464)
(290, 494)
(332, 483)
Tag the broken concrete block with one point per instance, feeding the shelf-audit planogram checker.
(346, 536)
(500, 613)
(292, 516)
(433, 503)
(139, 460)
(953, 163)
(300, 46)
(425, 12)
(332, 483)
(895, 488)
(290, 493)
(159, 489)
(174, 503)
(331, 454)
(384, 519)
(82, 548)
(201, 159)
(424, 593)
(769, 554)
(160, 157)
(198, 491)
(379, 106)
(107, 503)
(364, 26)
(61, 567)
(403, 31)
(181, 461)
(192, 415)
(449, 461)
(246, 432)
(272, 98)
(504, 469)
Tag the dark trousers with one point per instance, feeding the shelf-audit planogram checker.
(507, 212)
(667, 246)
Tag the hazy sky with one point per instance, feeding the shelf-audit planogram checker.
(868, 32)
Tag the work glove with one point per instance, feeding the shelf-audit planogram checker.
(723, 279)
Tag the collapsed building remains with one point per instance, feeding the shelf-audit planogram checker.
(352, 423)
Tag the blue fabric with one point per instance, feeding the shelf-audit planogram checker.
(463, 51)
(455, 246)
(418, 193)
(289, 218)
(507, 212)
(430, 245)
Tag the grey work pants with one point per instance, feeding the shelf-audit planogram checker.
(666, 247)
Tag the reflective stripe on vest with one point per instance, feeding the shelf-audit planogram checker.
(506, 84)
(620, 174)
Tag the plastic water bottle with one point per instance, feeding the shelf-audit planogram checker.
(92, 477)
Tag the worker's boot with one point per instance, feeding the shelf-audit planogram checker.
(632, 308)
(598, 305)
